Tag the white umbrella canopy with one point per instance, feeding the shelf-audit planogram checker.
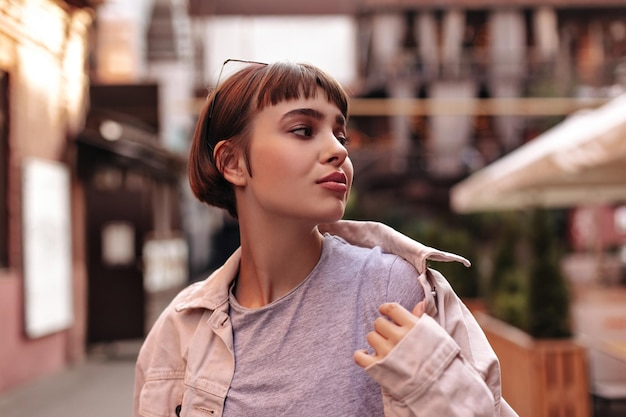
(580, 161)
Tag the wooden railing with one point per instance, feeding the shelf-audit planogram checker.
(518, 106)
(540, 378)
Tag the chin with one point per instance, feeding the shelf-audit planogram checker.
(333, 217)
(319, 214)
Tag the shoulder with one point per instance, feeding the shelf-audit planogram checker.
(368, 257)
(389, 275)
(369, 264)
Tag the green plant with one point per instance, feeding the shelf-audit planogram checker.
(505, 258)
(548, 297)
(507, 292)
(526, 288)
(510, 302)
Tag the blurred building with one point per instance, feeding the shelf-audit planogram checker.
(90, 233)
(438, 79)
(466, 62)
(465, 83)
(43, 96)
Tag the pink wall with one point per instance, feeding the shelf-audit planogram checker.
(42, 134)
(23, 359)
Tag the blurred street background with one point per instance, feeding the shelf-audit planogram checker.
(101, 386)
(488, 128)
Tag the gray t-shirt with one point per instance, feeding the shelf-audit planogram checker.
(293, 357)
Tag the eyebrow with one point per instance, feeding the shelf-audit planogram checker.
(315, 114)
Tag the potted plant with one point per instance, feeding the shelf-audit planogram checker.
(544, 371)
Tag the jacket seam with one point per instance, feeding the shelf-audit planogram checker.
(163, 375)
(432, 378)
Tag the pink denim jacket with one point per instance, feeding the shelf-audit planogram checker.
(443, 367)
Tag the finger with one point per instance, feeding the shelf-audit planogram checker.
(363, 359)
(389, 330)
(400, 315)
(419, 308)
(380, 345)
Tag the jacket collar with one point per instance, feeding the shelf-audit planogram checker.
(369, 234)
(213, 291)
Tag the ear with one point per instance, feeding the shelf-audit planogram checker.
(231, 163)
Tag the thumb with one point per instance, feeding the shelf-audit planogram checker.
(419, 308)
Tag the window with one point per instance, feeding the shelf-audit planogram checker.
(4, 170)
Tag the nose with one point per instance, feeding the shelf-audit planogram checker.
(334, 152)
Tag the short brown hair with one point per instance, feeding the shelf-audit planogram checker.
(237, 100)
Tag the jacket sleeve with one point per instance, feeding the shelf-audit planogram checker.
(426, 375)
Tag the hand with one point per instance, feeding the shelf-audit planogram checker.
(388, 331)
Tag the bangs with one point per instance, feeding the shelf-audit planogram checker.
(286, 81)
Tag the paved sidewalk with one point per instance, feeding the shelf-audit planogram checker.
(100, 387)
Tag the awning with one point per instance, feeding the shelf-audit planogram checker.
(128, 145)
(578, 162)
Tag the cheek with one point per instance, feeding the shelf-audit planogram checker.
(277, 163)
(348, 168)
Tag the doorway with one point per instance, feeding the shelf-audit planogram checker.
(119, 215)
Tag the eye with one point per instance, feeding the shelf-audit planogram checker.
(304, 131)
(343, 139)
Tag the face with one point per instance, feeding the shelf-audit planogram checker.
(299, 164)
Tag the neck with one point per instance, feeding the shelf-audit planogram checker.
(276, 256)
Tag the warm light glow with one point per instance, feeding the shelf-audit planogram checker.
(6, 52)
(118, 53)
(50, 60)
(75, 88)
(117, 62)
(42, 76)
(45, 22)
(111, 130)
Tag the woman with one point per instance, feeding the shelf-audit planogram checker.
(296, 322)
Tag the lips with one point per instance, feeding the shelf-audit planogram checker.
(336, 176)
(336, 181)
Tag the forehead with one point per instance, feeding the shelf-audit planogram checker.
(317, 107)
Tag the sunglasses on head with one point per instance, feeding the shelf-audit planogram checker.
(230, 62)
